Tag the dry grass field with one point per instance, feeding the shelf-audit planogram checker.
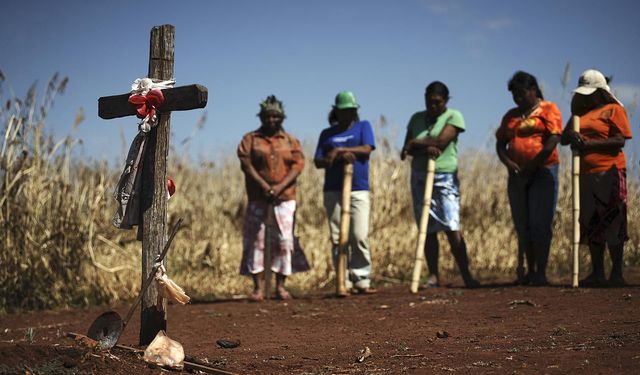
(58, 247)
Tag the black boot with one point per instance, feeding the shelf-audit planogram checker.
(596, 278)
(616, 253)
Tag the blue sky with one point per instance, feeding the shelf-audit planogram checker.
(305, 52)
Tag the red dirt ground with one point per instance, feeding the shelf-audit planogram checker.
(495, 329)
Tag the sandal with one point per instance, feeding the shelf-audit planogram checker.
(364, 290)
(433, 281)
(430, 284)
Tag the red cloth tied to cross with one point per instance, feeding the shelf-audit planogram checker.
(146, 104)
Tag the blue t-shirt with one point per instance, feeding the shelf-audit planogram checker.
(360, 133)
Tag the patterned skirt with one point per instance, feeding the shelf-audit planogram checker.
(281, 234)
(603, 207)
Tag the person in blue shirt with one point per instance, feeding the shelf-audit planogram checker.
(348, 140)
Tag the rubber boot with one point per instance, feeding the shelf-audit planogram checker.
(616, 253)
(596, 278)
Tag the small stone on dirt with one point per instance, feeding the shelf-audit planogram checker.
(364, 354)
(228, 344)
(521, 302)
(442, 334)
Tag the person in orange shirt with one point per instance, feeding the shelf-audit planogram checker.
(604, 129)
(271, 160)
(526, 145)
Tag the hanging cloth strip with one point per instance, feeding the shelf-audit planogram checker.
(168, 289)
(146, 96)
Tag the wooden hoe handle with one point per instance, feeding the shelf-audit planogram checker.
(345, 222)
(268, 239)
(422, 230)
(575, 179)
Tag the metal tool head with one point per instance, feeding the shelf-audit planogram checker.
(106, 329)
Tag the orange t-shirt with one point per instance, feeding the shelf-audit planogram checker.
(526, 136)
(273, 158)
(597, 124)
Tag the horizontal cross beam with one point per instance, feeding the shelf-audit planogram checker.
(181, 98)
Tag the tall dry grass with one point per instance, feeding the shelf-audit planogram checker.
(59, 248)
(48, 209)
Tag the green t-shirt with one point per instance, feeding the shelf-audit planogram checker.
(418, 128)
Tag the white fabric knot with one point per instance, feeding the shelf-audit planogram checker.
(142, 86)
(144, 125)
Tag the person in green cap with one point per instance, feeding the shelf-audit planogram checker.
(271, 160)
(434, 134)
(348, 140)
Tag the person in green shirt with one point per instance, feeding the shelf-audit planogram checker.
(433, 133)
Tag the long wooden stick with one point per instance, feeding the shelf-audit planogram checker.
(345, 223)
(576, 204)
(424, 221)
(268, 238)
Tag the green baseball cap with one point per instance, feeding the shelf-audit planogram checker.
(346, 99)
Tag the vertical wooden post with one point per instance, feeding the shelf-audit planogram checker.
(154, 186)
(422, 228)
(345, 225)
(267, 259)
(575, 171)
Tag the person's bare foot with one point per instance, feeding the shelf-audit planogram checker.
(283, 294)
(256, 296)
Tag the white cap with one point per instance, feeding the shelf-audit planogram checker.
(590, 80)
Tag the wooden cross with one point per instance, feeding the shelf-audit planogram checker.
(153, 200)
